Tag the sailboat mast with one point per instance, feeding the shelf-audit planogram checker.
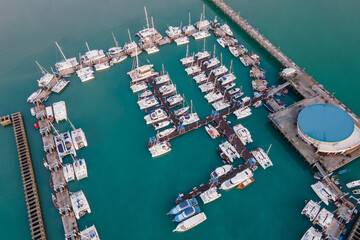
(60, 50)
(43, 70)
(203, 11)
(147, 20)
(267, 152)
(152, 22)
(129, 35)
(189, 18)
(80, 59)
(214, 50)
(137, 58)
(87, 46)
(187, 50)
(163, 70)
(220, 58)
(204, 43)
(116, 43)
(231, 63)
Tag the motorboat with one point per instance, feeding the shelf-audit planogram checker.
(148, 102)
(312, 234)
(156, 116)
(226, 30)
(80, 169)
(116, 60)
(174, 99)
(211, 63)
(244, 62)
(202, 55)
(213, 96)
(323, 192)
(34, 96)
(262, 158)
(238, 179)
(165, 132)
(79, 204)
(182, 40)
(212, 131)
(220, 171)
(245, 183)
(89, 233)
(221, 104)
(60, 112)
(162, 124)
(226, 79)
(102, 66)
(192, 70)
(187, 213)
(182, 206)
(229, 151)
(114, 51)
(234, 51)
(162, 79)
(219, 71)
(206, 87)
(78, 138)
(237, 95)
(190, 222)
(160, 149)
(139, 87)
(167, 89)
(210, 195)
(353, 184)
(257, 104)
(189, 118)
(324, 219)
(68, 171)
(243, 134)
(311, 210)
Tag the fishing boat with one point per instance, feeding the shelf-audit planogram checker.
(220, 171)
(60, 112)
(152, 50)
(80, 169)
(160, 149)
(34, 96)
(89, 233)
(181, 111)
(187, 213)
(78, 138)
(226, 79)
(79, 204)
(165, 132)
(262, 158)
(228, 151)
(213, 96)
(222, 42)
(156, 116)
(173, 32)
(182, 40)
(148, 102)
(211, 63)
(192, 70)
(102, 66)
(167, 89)
(221, 104)
(234, 51)
(68, 171)
(323, 192)
(219, 71)
(92, 56)
(311, 210)
(190, 223)
(227, 30)
(312, 234)
(212, 131)
(206, 87)
(200, 78)
(162, 124)
(245, 183)
(162, 79)
(50, 113)
(182, 206)
(243, 134)
(145, 94)
(324, 219)
(85, 74)
(210, 195)
(139, 87)
(174, 99)
(353, 184)
(238, 179)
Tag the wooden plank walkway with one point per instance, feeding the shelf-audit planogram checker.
(28, 178)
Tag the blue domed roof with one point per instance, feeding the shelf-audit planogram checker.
(325, 123)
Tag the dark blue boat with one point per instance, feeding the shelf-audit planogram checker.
(182, 206)
(188, 212)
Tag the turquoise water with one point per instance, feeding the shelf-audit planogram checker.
(128, 191)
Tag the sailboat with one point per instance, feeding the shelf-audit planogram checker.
(85, 74)
(189, 29)
(98, 57)
(78, 137)
(46, 81)
(187, 60)
(203, 24)
(182, 111)
(92, 56)
(115, 53)
(141, 73)
(131, 47)
(189, 118)
(67, 66)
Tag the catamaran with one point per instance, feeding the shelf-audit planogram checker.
(79, 204)
(203, 23)
(102, 66)
(68, 171)
(206, 87)
(222, 42)
(115, 51)
(189, 29)
(78, 138)
(89, 233)
(145, 94)
(173, 32)
(324, 219)
(190, 223)
(323, 192)
(210, 195)
(182, 40)
(64, 145)
(202, 55)
(165, 132)
(160, 149)
(148, 102)
(226, 30)
(221, 104)
(228, 151)
(92, 56)
(142, 73)
(80, 169)
(213, 96)
(234, 51)
(189, 118)
(192, 70)
(262, 158)
(312, 234)
(156, 116)
(131, 48)
(152, 50)
(211, 63)
(226, 79)
(200, 78)
(201, 35)
(243, 134)
(139, 87)
(238, 179)
(60, 112)
(187, 60)
(242, 112)
(174, 99)
(212, 131)
(85, 74)
(167, 89)
(311, 210)
(162, 79)
(67, 65)
(219, 71)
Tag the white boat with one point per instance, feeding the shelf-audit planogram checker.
(262, 158)
(202, 55)
(68, 171)
(189, 29)
(156, 116)
(114, 51)
(182, 40)
(222, 42)
(85, 74)
(68, 64)
(59, 85)
(142, 73)
(92, 56)
(60, 112)
(79, 204)
(256, 58)
(356, 191)
(190, 222)
(226, 30)
(201, 35)
(174, 99)
(221, 104)
(219, 71)
(226, 79)
(45, 80)
(116, 60)
(211, 63)
(34, 96)
(139, 87)
(131, 47)
(162, 124)
(243, 134)
(213, 96)
(49, 113)
(259, 84)
(202, 24)
(152, 50)
(324, 219)
(189, 118)
(167, 89)
(160, 149)
(162, 79)
(237, 95)
(238, 179)
(323, 192)
(234, 51)
(312, 234)
(353, 184)
(257, 104)
(165, 132)
(181, 111)
(212, 131)
(229, 151)
(89, 233)
(210, 195)
(220, 171)
(78, 138)
(173, 32)
(244, 62)
(234, 91)
(80, 169)
(245, 99)
(102, 66)
(64, 145)
(200, 78)
(311, 210)
(147, 102)
(206, 87)
(192, 70)
(145, 94)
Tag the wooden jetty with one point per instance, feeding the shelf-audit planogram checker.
(28, 178)
(355, 231)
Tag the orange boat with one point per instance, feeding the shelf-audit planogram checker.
(245, 183)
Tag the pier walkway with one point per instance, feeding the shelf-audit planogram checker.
(355, 231)
(28, 178)
(278, 89)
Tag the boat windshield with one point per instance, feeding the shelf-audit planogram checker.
(189, 211)
(184, 204)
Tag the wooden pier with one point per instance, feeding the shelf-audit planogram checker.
(355, 231)
(28, 178)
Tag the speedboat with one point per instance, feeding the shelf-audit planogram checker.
(174, 99)
(165, 132)
(311, 210)
(34, 96)
(222, 42)
(228, 78)
(243, 134)
(210, 195)
(79, 204)
(312, 234)
(226, 30)
(89, 233)
(202, 55)
(324, 219)
(78, 138)
(190, 222)
(206, 87)
(181, 111)
(188, 212)
(182, 206)
(182, 40)
(212, 131)
(160, 149)
(102, 66)
(155, 116)
(68, 171)
(139, 87)
(242, 112)
(189, 119)
(147, 102)
(211, 63)
(239, 178)
(220, 171)
(80, 169)
(201, 35)
(60, 112)
(167, 89)
(356, 191)
(162, 79)
(262, 158)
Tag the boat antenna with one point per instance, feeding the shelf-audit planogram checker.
(87, 45)
(116, 43)
(129, 35)
(60, 50)
(43, 70)
(189, 18)
(267, 152)
(73, 127)
(147, 20)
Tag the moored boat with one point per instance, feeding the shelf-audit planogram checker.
(60, 112)
(312, 234)
(162, 124)
(156, 116)
(160, 149)
(68, 171)
(79, 139)
(353, 184)
(220, 171)
(243, 112)
(212, 131)
(102, 66)
(79, 204)
(139, 87)
(245, 183)
(190, 223)
(89, 233)
(187, 213)
(243, 134)
(80, 169)
(165, 132)
(210, 195)
(311, 210)
(182, 206)
(147, 102)
(238, 179)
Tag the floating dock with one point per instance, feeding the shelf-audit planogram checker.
(28, 178)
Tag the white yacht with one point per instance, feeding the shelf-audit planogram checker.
(182, 40)
(131, 47)
(156, 116)
(167, 89)
(49, 113)
(162, 124)
(60, 112)
(162, 79)
(139, 87)
(212, 131)
(189, 29)
(324, 219)
(141, 73)
(353, 184)
(192, 70)
(66, 64)
(174, 99)
(220, 171)
(165, 132)
(114, 51)
(34, 96)
(238, 179)
(226, 79)
(68, 171)
(148, 102)
(245, 99)
(213, 96)
(145, 94)
(152, 50)
(312, 234)
(221, 104)
(243, 134)
(211, 63)
(229, 151)
(206, 87)
(222, 42)
(189, 118)
(200, 78)
(311, 210)
(45, 80)
(89, 233)
(59, 85)
(201, 35)
(190, 222)
(210, 195)
(173, 32)
(226, 30)
(234, 51)
(79, 204)
(219, 71)
(262, 158)
(160, 149)
(78, 138)
(101, 66)
(85, 74)
(202, 55)
(323, 192)
(80, 169)
(116, 60)
(92, 56)
(181, 111)
(187, 60)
